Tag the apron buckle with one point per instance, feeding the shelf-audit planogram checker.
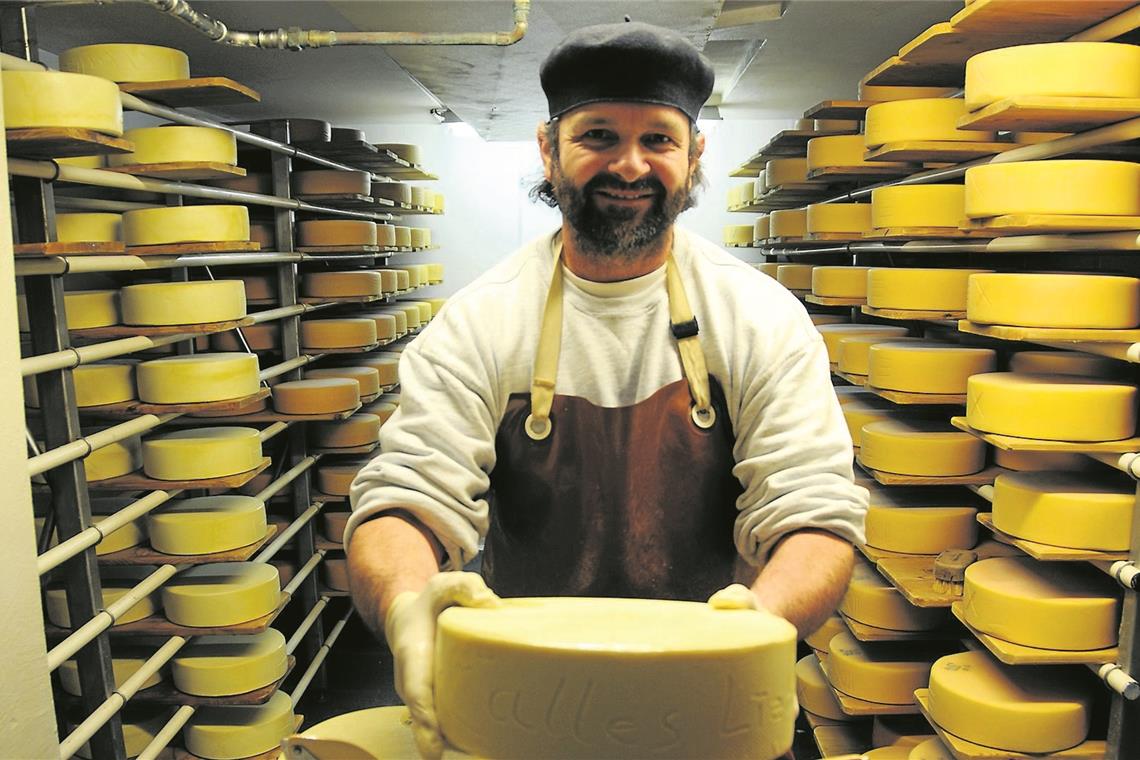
(537, 428)
(704, 417)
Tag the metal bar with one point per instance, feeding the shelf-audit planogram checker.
(314, 666)
(287, 477)
(304, 626)
(81, 447)
(1117, 680)
(269, 551)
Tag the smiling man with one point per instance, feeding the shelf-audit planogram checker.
(619, 408)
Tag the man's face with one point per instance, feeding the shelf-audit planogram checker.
(621, 174)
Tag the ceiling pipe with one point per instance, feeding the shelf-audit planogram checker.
(295, 38)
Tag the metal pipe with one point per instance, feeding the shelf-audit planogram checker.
(287, 477)
(1128, 463)
(1118, 680)
(81, 447)
(304, 572)
(267, 553)
(986, 491)
(315, 665)
(306, 624)
(165, 736)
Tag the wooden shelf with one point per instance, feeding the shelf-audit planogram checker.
(1012, 443)
(860, 173)
(270, 416)
(1018, 654)
(342, 299)
(902, 397)
(1057, 18)
(145, 555)
(193, 92)
(871, 634)
(1046, 552)
(365, 449)
(852, 110)
(69, 249)
(62, 142)
(345, 200)
(230, 405)
(138, 481)
(165, 693)
(347, 350)
(130, 331)
(182, 170)
(913, 314)
(841, 739)
(1040, 113)
(985, 477)
(859, 380)
(372, 249)
(834, 237)
(1049, 334)
(925, 233)
(913, 574)
(830, 301)
(860, 708)
(936, 150)
(181, 249)
(1035, 224)
(157, 625)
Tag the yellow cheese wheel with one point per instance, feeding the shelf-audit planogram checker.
(403, 280)
(926, 368)
(820, 638)
(760, 229)
(403, 237)
(921, 530)
(1032, 138)
(340, 284)
(332, 182)
(122, 667)
(919, 119)
(437, 205)
(335, 479)
(918, 289)
(814, 693)
(839, 218)
(367, 378)
(83, 309)
(131, 534)
(410, 152)
(183, 303)
(794, 276)
(89, 228)
(1063, 186)
(417, 196)
(222, 593)
(1054, 69)
(335, 523)
(785, 171)
(198, 378)
(677, 657)
(139, 730)
(884, 672)
(768, 267)
(385, 235)
(388, 280)
(1052, 407)
(258, 287)
(83, 162)
(217, 666)
(360, 429)
(161, 145)
(880, 93)
(113, 460)
(385, 325)
(1066, 363)
(55, 99)
(931, 749)
(263, 234)
(317, 334)
(435, 273)
(921, 447)
(891, 752)
(1089, 301)
(127, 63)
(843, 151)
(206, 524)
(95, 384)
(1017, 709)
(186, 224)
(859, 413)
(262, 337)
(387, 364)
(324, 395)
(832, 334)
(336, 574)
(760, 186)
(115, 582)
(382, 409)
(237, 731)
(398, 316)
(396, 192)
(738, 234)
(1074, 510)
(871, 600)
(336, 232)
(1038, 461)
(411, 313)
(855, 351)
(199, 453)
(908, 206)
(416, 275)
(421, 237)
(423, 306)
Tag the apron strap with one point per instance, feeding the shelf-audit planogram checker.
(685, 331)
(537, 423)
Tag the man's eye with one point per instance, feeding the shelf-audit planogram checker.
(597, 135)
(659, 139)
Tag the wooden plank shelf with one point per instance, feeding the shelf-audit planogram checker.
(344, 200)
(852, 110)
(913, 574)
(342, 299)
(235, 405)
(1046, 552)
(858, 380)
(365, 449)
(832, 301)
(139, 481)
(913, 314)
(346, 350)
(841, 739)
(145, 555)
(924, 233)
(903, 397)
(1033, 224)
(269, 416)
(871, 634)
(985, 477)
(41, 143)
(860, 708)
(1057, 18)
(69, 249)
(1040, 113)
(1050, 334)
(1018, 654)
(371, 249)
(1013, 443)
(165, 693)
(157, 625)
(182, 249)
(193, 92)
(182, 170)
(130, 331)
(859, 173)
(936, 150)
(834, 237)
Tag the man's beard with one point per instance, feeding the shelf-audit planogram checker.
(613, 232)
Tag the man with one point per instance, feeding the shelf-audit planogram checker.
(630, 450)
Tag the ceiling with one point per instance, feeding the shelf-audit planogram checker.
(766, 69)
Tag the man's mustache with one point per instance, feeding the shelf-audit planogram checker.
(614, 182)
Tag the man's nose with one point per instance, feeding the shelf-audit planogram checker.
(630, 163)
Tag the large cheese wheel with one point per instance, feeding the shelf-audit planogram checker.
(161, 145)
(183, 303)
(423, 306)
(908, 206)
(399, 316)
(886, 672)
(336, 232)
(421, 237)
(871, 600)
(832, 334)
(222, 593)
(1066, 363)
(821, 637)
(842, 151)
(854, 352)
(412, 313)
(56, 99)
(1074, 510)
(254, 182)
(367, 378)
(83, 162)
(89, 228)
(761, 228)
(931, 749)
(1052, 407)
(918, 289)
(920, 119)
(325, 395)
(921, 447)
(261, 337)
(385, 325)
(340, 284)
(396, 192)
(839, 218)
(1038, 461)
(540, 656)
(116, 583)
(926, 368)
(386, 364)
(837, 125)
(103, 383)
(768, 267)
(435, 272)
(1047, 605)
(794, 276)
(217, 666)
(113, 460)
(814, 693)
(1063, 186)
(880, 93)
(127, 63)
(263, 234)
(336, 479)
(1017, 709)
(738, 234)
(317, 334)
(410, 152)
(921, 530)
(124, 665)
(237, 731)
(336, 574)
(386, 235)
(335, 523)
(332, 182)
(859, 413)
(1087, 301)
(206, 524)
(186, 224)
(92, 308)
(360, 429)
(381, 408)
(198, 378)
(785, 171)
(403, 237)
(1055, 69)
(199, 453)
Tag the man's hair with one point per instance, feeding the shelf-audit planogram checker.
(543, 190)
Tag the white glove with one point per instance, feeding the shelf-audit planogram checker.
(410, 630)
(735, 597)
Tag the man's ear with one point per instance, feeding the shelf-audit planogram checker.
(545, 151)
(700, 149)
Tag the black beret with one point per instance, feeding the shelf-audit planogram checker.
(630, 61)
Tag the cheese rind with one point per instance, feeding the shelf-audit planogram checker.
(910, 206)
(931, 749)
(198, 378)
(336, 479)
(787, 223)
(324, 395)
(887, 673)
(760, 228)
(855, 351)
(785, 171)
(1061, 186)
(832, 334)
(337, 333)
(839, 281)
(207, 524)
(921, 530)
(814, 693)
(861, 412)
(1065, 363)
(336, 574)
(200, 453)
(341, 284)
(138, 732)
(367, 378)
(95, 384)
(821, 637)
(921, 447)
(216, 666)
(89, 228)
(1078, 511)
(56, 99)
(1037, 461)
(871, 600)
(127, 62)
(183, 303)
(842, 151)
(332, 182)
(839, 218)
(172, 144)
(122, 668)
(113, 460)
(116, 582)
(186, 224)
(919, 119)
(918, 289)
(231, 732)
(926, 368)
(361, 429)
(221, 594)
(336, 232)
(738, 234)
(387, 365)
(1086, 301)
(794, 276)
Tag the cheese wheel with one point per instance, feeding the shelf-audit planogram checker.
(929, 448)
(207, 524)
(127, 63)
(116, 583)
(410, 152)
(1047, 605)
(1065, 186)
(254, 182)
(113, 460)
(931, 749)
(908, 206)
(387, 364)
(237, 731)
(261, 337)
(221, 594)
(421, 237)
(300, 130)
(388, 280)
(435, 273)
(258, 287)
(926, 368)
(83, 162)
(56, 99)
(813, 692)
(859, 413)
(367, 378)
(839, 218)
(318, 334)
(1054, 69)
(336, 232)
(1065, 363)
(263, 234)
(1073, 510)
(821, 637)
(336, 574)
(760, 229)
(437, 205)
(341, 134)
(163, 145)
(95, 384)
(785, 171)
(871, 600)
(885, 672)
(921, 530)
(131, 534)
(738, 234)
(1017, 709)
(332, 182)
(122, 668)
(360, 429)
(760, 186)
(397, 192)
(186, 224)
(325, 395)
(385, 325)
(832, 334)
(200, 453)
(183, 303)
(844, 151)
(919, 119)
(880, 93)
(1038, 461)
(403, 280)
(340, 284)
(918, 289)
(139, 730)
(768, 267)
(854, 352)
(198, 378)
(335, 523)
(424, 309)
(399, 316)
(219, 666)
(382, 409)
(794, 276)
(89, 228)
(83, 309)
(677, 657)
(892, 752)
(336, 479)
(1086, 301)
(412, 313)
(1052, 407)
(385, 235)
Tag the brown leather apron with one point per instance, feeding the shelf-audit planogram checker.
(635, 501)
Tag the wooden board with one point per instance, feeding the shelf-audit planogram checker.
(830, 301)
(68, 249)
(985, 477)
(1030, 224)
(145, 555)
(62, 142)
(943, 45)
(870, 633)
(138, 481)
(1046, 552)
(235, 405)
(341, 299)
(833, 237)
(194, 92)
(346, 350)
(1041, 113)
(1013, 443)
(902, 397)
(896, 72)
(859, 173)
(936, 150)
(345, 249)
(852, 110)
(341, 200)
(1058, 18)
(861, 708)
(365, 449)
(914, 314)
(130, 331)
(841, 739)
(1017, 654)
(165, 693)
(1047, 334)
(269, 416)
(904, 233)
(859, 380)
(815, 721)
(181, 170)
(914, 578)
(157, 625)
(180, 249)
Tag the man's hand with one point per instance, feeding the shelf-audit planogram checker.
(735, 597)
(410, 630)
